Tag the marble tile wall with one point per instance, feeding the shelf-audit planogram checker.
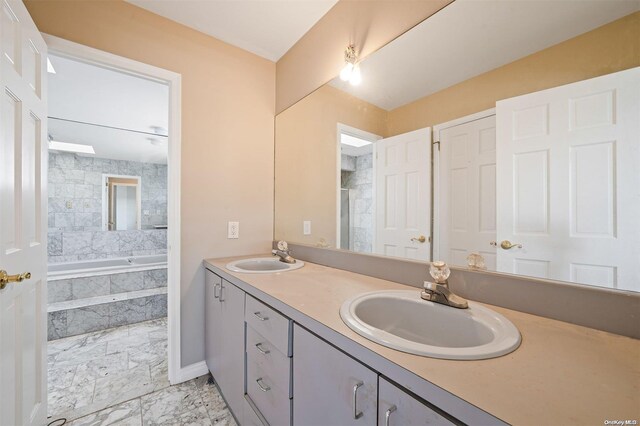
(71, 246)
(71, 322)
(75, 191)
(361, 181)
(101, 285)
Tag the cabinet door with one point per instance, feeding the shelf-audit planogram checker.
(213, 324)
(329, 387)
(398, 408)
(232, 343)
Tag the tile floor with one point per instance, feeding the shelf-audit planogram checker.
(119, 376)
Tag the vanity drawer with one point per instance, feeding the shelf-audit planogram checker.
(264, 389)
(269, 358)
(269, 323)
(249, 415)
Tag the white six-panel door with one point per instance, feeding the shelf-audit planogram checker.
(23, 220)
(467, 192)
(568, 179)
(403, 195)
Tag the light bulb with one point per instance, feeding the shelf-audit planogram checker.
(345, 74)
(356, 77)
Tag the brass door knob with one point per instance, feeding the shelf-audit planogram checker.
(6, 278)
(420, 239)
(508, 245)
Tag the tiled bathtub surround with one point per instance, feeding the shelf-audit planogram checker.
(72, 246)
(75, 191)
(82, 305)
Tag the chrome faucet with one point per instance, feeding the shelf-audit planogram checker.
(283, 252)
(438, 291)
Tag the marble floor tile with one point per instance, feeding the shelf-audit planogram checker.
(107, 365)
(127, 343)
(126, 381)
(179, 404)
(127, 413)
(78, 355)
(91, 372)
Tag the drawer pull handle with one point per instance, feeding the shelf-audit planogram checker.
(262, 351)
(260, 317)
(221, 288)
(387, 414)
(262, 387)
(215, 290)
(356, 414)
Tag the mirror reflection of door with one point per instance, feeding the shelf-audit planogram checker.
(466, 222)
(403, 195)
(123, 206)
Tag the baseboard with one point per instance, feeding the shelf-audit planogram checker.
(192, 371)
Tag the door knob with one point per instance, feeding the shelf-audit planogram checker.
(420, 239)
(508, 245)
(6, 279)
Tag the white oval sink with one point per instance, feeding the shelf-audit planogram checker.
(402, 320)
(263, 265)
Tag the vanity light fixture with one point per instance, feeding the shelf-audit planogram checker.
(351, 70)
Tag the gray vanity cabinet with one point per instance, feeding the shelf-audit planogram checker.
(398, 408)
(329, 387)
(224, 338)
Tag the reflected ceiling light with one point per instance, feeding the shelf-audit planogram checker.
(353, 141)
(50, 68)
(71, 147)
(351, 70)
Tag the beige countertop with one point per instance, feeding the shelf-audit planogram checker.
(561, 373)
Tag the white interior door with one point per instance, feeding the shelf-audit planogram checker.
(468, 192)
(403, 195)
(569, 182)
(23, 164)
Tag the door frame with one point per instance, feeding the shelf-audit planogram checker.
(435, 155)
(361, 134)
(79, 52)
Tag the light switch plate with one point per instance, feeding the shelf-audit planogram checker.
(306, 227)
(233, 230)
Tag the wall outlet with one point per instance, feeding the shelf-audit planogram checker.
(233, 230)
(306, 227)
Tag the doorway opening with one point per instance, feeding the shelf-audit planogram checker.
(113, 240)
(356, 191)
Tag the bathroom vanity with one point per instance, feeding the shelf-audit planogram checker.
(281, 354)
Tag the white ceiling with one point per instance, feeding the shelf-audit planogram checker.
(267, 28)
(126, 111)
(470, 37)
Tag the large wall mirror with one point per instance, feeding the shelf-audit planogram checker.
(498, 135)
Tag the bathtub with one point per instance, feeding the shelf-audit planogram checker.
(92, 295)
(88, 268)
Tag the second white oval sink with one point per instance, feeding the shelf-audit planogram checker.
(402, 320)
(263, 265)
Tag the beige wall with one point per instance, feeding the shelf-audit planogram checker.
(319, 55)
(306, 161)
(610, 48)
(228, 99)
